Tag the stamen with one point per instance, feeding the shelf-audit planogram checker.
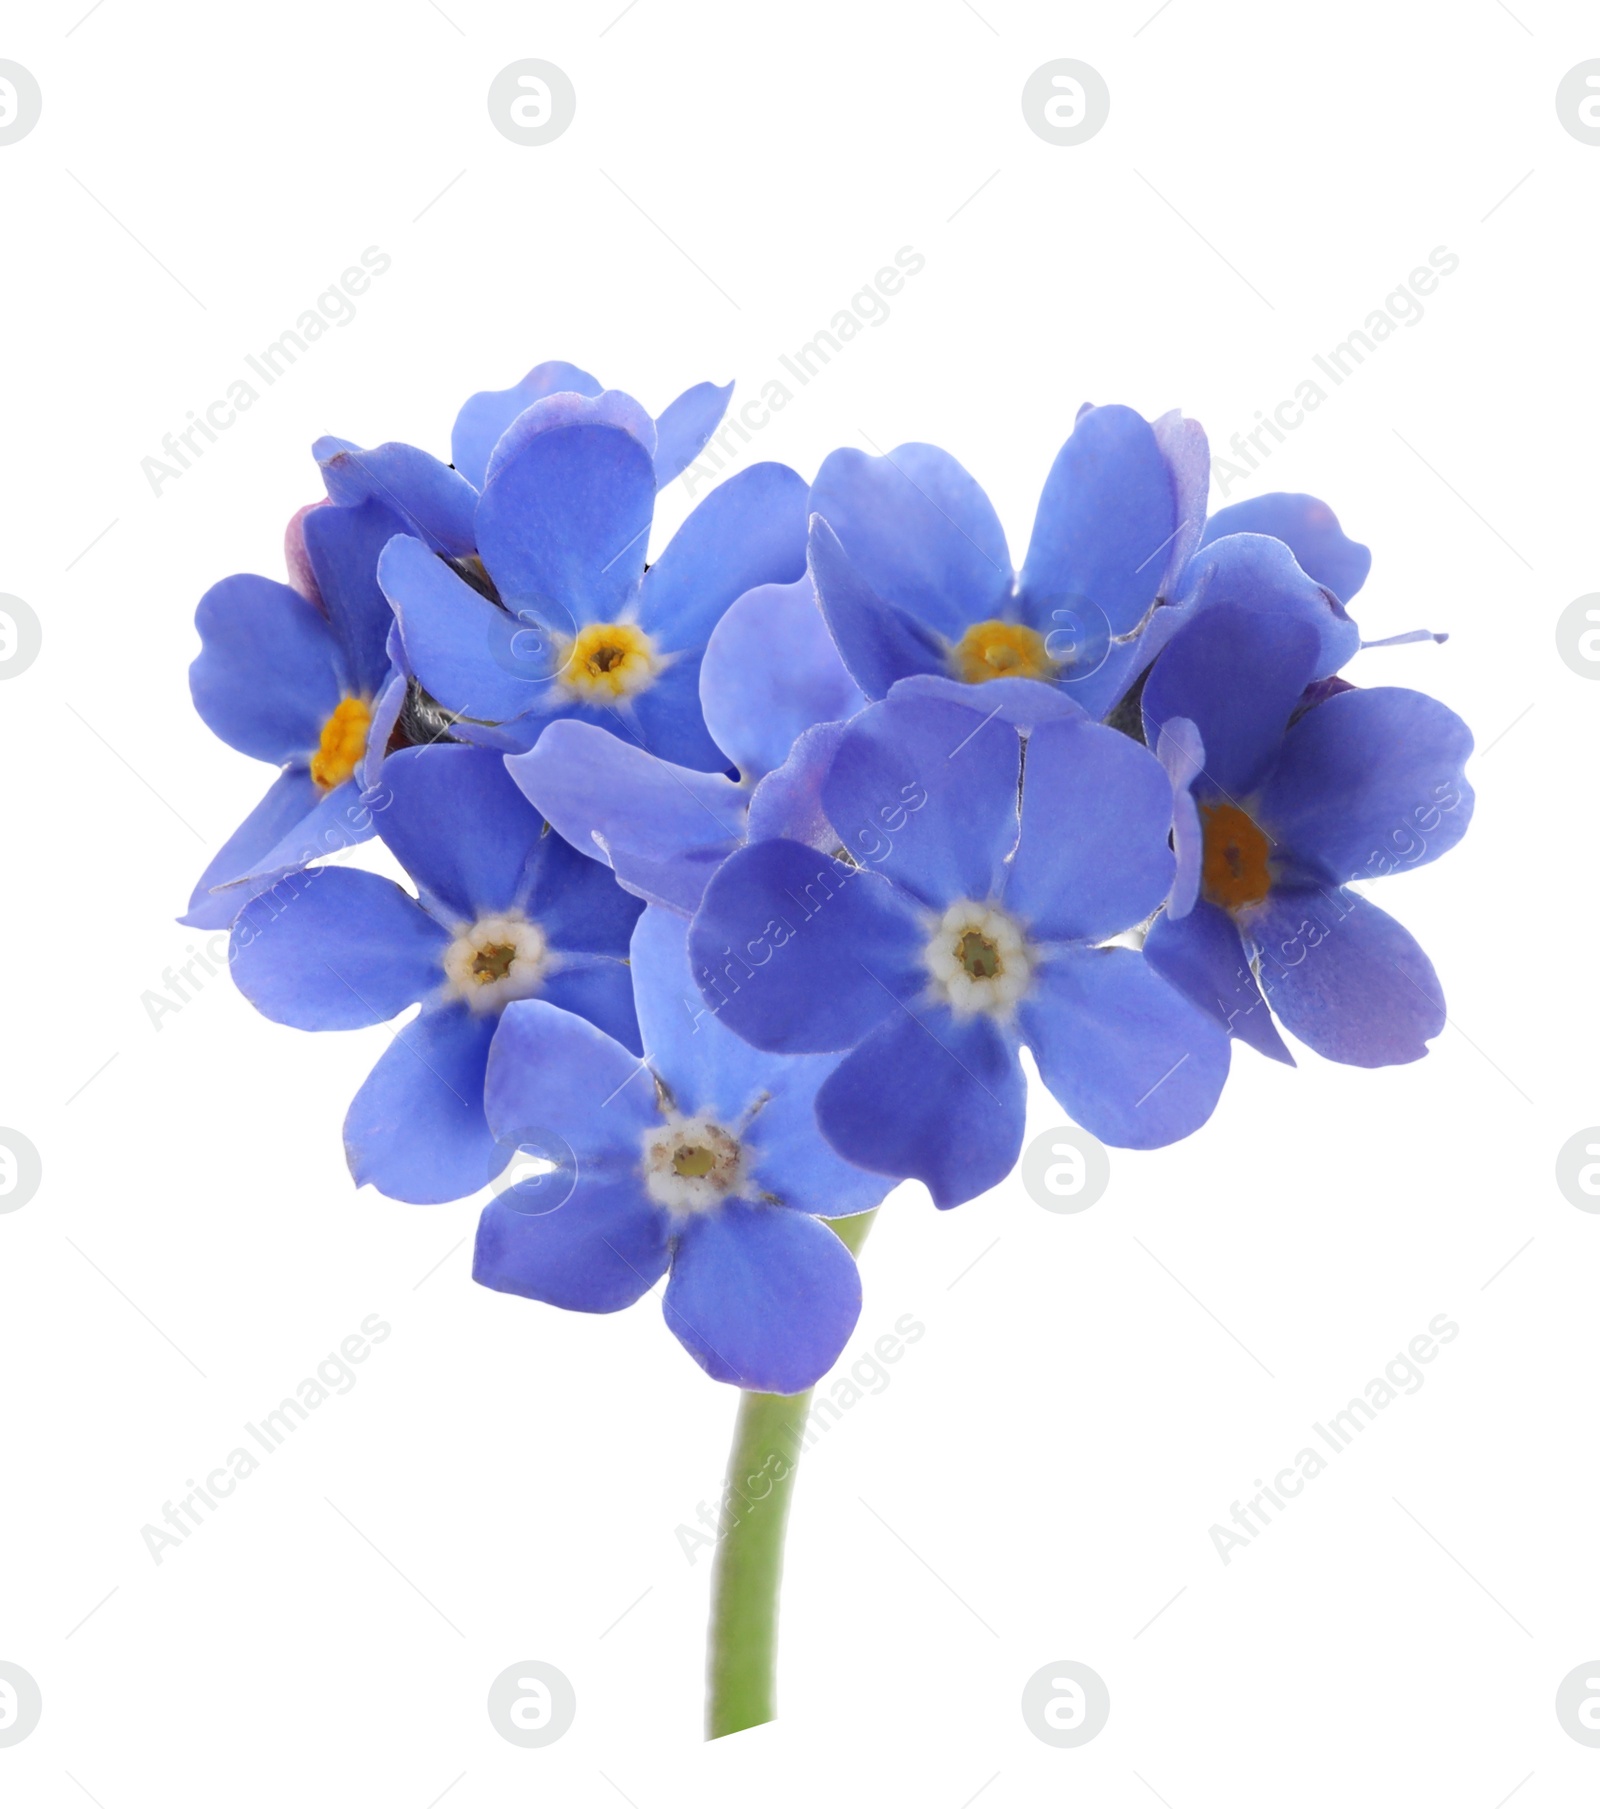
(1234, 870)
(497, 960)
(344, 741)
(609, 660)
(1000, 650)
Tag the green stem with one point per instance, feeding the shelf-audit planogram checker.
(742, 1645)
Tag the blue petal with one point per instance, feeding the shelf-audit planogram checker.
(554, 1073)
(605, 794)
(711, 1071)
(920, 531)
(1183, 755)
(878, 642)
(1202, 956)
(433, 502)
(684, 426)
(1310, 530)
(342, 546)
(925, 791)
(1093, 858)
(1344, 977)
(338, 819)
(477, 660)
(1024, 703)
(599, 988)
(1183, 445)
(800, 954)
(930, 1096)
(1255, 572)
(666, 719)
(788, 802)
(460, 828)
(611, 408)
(770, 672)
(416, 1130)
(599, 1251)
(580, 906)
(1237, 675)
(1126, 1054)
(789, 1158)
(335, 949)
(750, 530)
(762, 1297)
(387, 709)
(1370, 783)
(269, 672)
(563, 524)
(291, 797)
(485, 416)
(1106, 521)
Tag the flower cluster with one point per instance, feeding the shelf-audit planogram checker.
(743, 876)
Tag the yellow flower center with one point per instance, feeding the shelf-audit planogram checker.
(1000, 650)
(608, 660)
(344, 741)
(1233, 864)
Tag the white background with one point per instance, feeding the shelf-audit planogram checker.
(1040, 1475)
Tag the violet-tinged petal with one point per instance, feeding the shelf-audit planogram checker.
(485, 416)
(1202, 956)
(762, 1297)
(343, 546)
(800, 954)
(930, 1096)
(921, 533)
(878, 642)
(416, 1130)
(1093, 859)
(1370, 782)
(685, 425)
(771, 671)
(336, 949)
(1344, 977)
(1310, 530)
(1126, 1054)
